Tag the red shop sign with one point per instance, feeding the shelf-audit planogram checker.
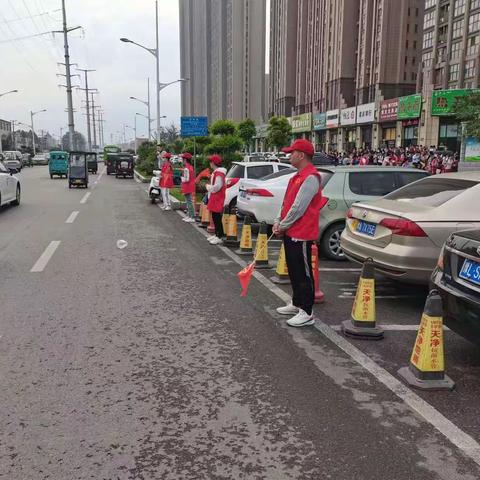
(388, 110)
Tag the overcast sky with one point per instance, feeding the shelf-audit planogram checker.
(122, 69)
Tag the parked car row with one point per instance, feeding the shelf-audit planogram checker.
(10, 188)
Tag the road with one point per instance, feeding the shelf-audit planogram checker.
(144, 362)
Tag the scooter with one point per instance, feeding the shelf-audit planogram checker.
(154, 189)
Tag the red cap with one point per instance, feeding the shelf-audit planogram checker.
(187, 156)
(167, 155)
(300, 145)
(215, 159)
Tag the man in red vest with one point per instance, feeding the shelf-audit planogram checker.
(299, 225)
(188, 186)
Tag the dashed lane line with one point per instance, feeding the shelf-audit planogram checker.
(45, 257)
(85, 198)
(72, 217)
(464, 442)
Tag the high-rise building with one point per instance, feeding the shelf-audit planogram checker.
(222, 45)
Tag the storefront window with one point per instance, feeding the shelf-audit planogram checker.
(449, 135)
(410, 135)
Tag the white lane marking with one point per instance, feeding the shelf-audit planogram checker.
(85, 198)
(45, 257)
(391, 328)
(72, 217)
(455, 435)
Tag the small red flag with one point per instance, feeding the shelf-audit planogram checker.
(205, 173)
(245, 276)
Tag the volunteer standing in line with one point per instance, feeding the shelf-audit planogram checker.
(216, 197)
(299, 224)
(166, 181)
(188, 186)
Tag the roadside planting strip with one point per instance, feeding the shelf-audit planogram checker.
(464, 442)
(45, 257)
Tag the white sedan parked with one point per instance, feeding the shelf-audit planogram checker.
(9, 187)
(248, 170)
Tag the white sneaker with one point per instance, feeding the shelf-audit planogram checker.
(185, 219)
(301, 319)
(163, 207)
(212, 238)
(168, 208)
(190, 220)
(216, 241)
(289, 309)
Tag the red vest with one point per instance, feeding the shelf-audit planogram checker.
(189, 187)
(306, 227)
(166, 179)
(217, 199)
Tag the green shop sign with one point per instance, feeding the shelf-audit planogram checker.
(409, 107)
(444, 101)
(301, 123)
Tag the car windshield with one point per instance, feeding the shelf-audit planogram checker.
(432, 191)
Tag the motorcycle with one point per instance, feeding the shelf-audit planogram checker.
(154, 189)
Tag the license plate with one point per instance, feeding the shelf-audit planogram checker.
(470, 271)
(77, 181)
(366, 228)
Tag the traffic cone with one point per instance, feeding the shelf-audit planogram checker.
(232, 232)
(199, 213)
(205, 217)
(362, 325)
(211, 225)
(246, 247)
(426, 370)
(281, 272)
(261, 248)
(225, 218)
(319, 295)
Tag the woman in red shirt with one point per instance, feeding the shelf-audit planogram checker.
(216, 197)
(166, 181)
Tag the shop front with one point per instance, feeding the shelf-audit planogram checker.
(409, 111)
(365, 119)
(332, 123)
(449, 129)
(320, 131)
(387, 118)
(302, 125)
(348, 117)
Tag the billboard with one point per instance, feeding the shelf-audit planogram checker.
(409, 107)
(366, 113)
(319, 121)
(388, 110)
(301, 123)
(472, 150)
(348, 116)
(194, 126)
(444, 101)
(333, 117)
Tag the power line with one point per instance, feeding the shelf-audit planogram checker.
(22, 19)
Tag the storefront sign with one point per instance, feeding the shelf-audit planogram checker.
(409, 107)
(301, 123)
(410, 123)
(388, 110)
(444, 101)
(472, 150)
(366, 113)
(319, 121)
(348, 116)
(333, 117)
(262, 131)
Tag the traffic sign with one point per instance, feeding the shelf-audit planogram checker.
(194, 126)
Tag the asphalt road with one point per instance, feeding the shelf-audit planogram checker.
(144, 362)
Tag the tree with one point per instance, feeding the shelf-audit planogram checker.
(169, 134)
(246, 131)
(223, 127)
(467, 110)
(227, 146)
(279, 132)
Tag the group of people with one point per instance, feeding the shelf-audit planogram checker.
(297, 223)
(429, 159)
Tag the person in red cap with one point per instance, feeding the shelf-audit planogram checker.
(216, 197)
(166, 181)
(299, 224)
(188, 186)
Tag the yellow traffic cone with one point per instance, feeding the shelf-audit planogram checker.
(281, 276)
(363, 325)
(426, 370)
(246, 247)
(205, 217)
(232, 232)
(200, 212)
(225, 218)
(261, 248)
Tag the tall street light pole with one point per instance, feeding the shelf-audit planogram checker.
(32, 114)
(1, 95)
(87, 90)
(147, 104)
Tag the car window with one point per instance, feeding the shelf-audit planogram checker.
(3, 169)
(432, 191)
(259, 171)
(237, 171)
(375, 184)
(283, 167)
(404, 178)
(280, 173)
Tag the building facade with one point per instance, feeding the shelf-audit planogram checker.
(5, 131)
(222, 45)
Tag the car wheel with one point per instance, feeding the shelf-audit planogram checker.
(17, 196)
(233, 206)
(153, 201)
(51, 177)
(330, 243)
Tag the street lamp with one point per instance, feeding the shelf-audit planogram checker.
(134, 133)
(147, 104)
(32, 114)
(1, 95)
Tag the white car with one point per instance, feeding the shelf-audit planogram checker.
(9, 187)
(248, 170)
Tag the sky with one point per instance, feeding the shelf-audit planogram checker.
(30, 65)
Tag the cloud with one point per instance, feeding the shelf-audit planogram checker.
(121, 69)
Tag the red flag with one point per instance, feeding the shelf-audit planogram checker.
(245, 276)
(205, 173)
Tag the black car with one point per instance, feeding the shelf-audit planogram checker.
(457, 278)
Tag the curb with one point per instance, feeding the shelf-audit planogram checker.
(140, 177)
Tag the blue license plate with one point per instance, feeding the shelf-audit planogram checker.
(366, 228)
(470, 271)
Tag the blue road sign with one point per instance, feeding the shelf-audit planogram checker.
(194, 126)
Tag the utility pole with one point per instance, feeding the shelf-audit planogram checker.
(93, 122)
(158, 71)
(87, 90)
